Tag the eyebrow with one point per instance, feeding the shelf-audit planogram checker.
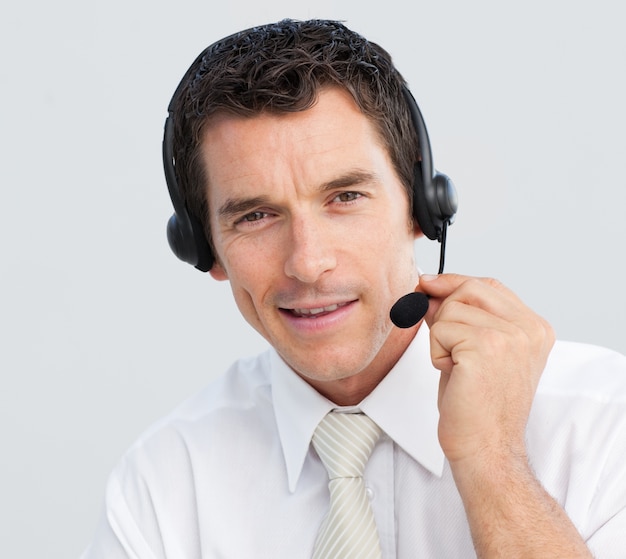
(237, 206)
(351, 178)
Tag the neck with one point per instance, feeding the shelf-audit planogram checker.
(352, 390)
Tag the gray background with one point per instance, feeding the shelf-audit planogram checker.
(103, 331)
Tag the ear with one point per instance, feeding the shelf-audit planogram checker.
(218, 273)
(417, 231)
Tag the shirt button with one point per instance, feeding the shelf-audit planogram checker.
(370, 493)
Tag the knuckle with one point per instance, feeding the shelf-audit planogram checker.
(494, 283)
(496, 342)
(474, 284)
(435, 330)
(549, 335)
(450, 307)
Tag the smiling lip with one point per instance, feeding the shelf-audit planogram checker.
(316, 311)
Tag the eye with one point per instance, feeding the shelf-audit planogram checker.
(347, 196)
(252, 218)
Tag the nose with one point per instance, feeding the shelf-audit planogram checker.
(311, 251)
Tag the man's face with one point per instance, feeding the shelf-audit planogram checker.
(311, 226)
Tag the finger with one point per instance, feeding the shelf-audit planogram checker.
(442, 285)
(475, 347)
(459, 311)
(485, 293)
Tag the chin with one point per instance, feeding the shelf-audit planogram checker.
(325, 366)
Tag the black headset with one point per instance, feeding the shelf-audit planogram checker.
(434, 195)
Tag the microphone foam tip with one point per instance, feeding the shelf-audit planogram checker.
(409, 309)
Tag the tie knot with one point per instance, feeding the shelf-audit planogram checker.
(344, 442)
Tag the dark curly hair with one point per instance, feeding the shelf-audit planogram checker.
(278, 68)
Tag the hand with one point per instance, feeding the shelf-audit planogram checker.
(491, 350)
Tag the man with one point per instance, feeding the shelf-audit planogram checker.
(296, 155)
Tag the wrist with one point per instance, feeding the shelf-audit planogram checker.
(504, 466)
(509, 512)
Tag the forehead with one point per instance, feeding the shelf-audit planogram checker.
(314, 141)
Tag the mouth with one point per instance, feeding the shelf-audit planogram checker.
(315, 312)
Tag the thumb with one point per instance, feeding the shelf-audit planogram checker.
(441, 285)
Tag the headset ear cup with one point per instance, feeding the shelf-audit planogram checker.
(185, 233)
(446, 197)
(434, 194)
(421, 212)
(187, 241)
(434, 203)
(176, 240)
(204, 254)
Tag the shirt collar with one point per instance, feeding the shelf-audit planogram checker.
(404, 405)
(298, 408)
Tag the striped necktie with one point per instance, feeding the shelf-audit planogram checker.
(344, 442)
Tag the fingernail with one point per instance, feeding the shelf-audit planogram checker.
(428, 277)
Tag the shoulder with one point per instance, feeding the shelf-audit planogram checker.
(153, 492)
(577, 432)
(580, 406)
(245, 384)
(576, 370)
(235, 405)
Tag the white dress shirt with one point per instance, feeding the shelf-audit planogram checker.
(232, 474)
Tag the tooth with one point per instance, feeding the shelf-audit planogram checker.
(318, 310)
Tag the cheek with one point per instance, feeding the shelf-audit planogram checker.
(251, 276)
(395, 259)
(394, 242)
(249, 301)
(244, 260)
